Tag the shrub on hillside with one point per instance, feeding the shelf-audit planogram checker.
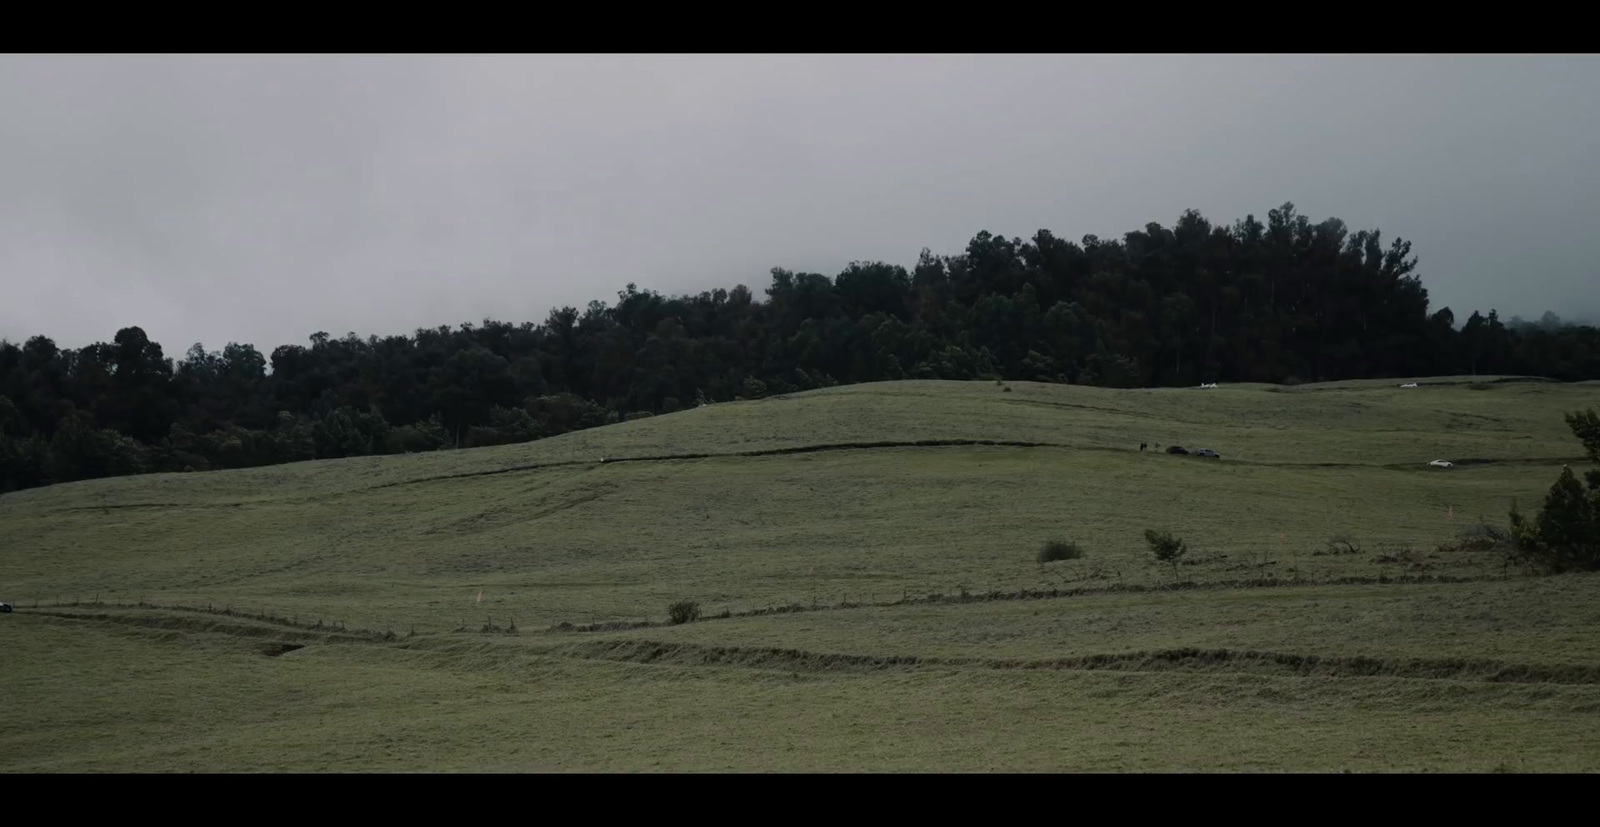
(344, 432)
(1585, 426)
(425, 435)
(683, 611)
(1166, 548)
(1059, 550)
(1565, 534)
(560, 413)
(1481, 537)
(506, 426)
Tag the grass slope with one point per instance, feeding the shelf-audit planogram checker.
(1397, 657)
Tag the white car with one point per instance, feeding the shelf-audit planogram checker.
(1442, 463)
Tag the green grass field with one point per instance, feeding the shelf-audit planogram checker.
(884, 608)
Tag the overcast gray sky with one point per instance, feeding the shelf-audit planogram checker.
(260, 199)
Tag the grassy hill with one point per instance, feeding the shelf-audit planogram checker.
(873, 548)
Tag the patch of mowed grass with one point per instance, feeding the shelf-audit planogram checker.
(1372, 422)
(1518, 620)
(549, 535)
(85, 698)
(550, 547)
(586, 542)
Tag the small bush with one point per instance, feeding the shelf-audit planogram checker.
(1481, 537)
(1166, 548)
(1565, 535)
(1059, 550)
(683, 611)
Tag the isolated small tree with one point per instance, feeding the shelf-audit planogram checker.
(1166, 548)
(1565, 535)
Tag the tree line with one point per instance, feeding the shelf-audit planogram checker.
(1284, 301)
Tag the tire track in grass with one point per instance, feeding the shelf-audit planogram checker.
(764, 452)
(1040, 594)
(1246, 661)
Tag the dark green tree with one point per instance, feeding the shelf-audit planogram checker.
(1281, 300)
(1165, 547)
(1565, 535)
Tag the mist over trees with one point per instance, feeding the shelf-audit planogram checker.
(1551, 321)
(1285, 301)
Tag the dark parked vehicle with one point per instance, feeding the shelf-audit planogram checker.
(1176, 449)
(1206, 452)
(5, 608)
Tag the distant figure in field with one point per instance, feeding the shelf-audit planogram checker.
(1141, 446)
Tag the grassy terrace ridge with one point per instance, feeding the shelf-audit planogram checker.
(864, 557)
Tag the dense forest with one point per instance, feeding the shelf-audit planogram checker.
(1285, 301)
